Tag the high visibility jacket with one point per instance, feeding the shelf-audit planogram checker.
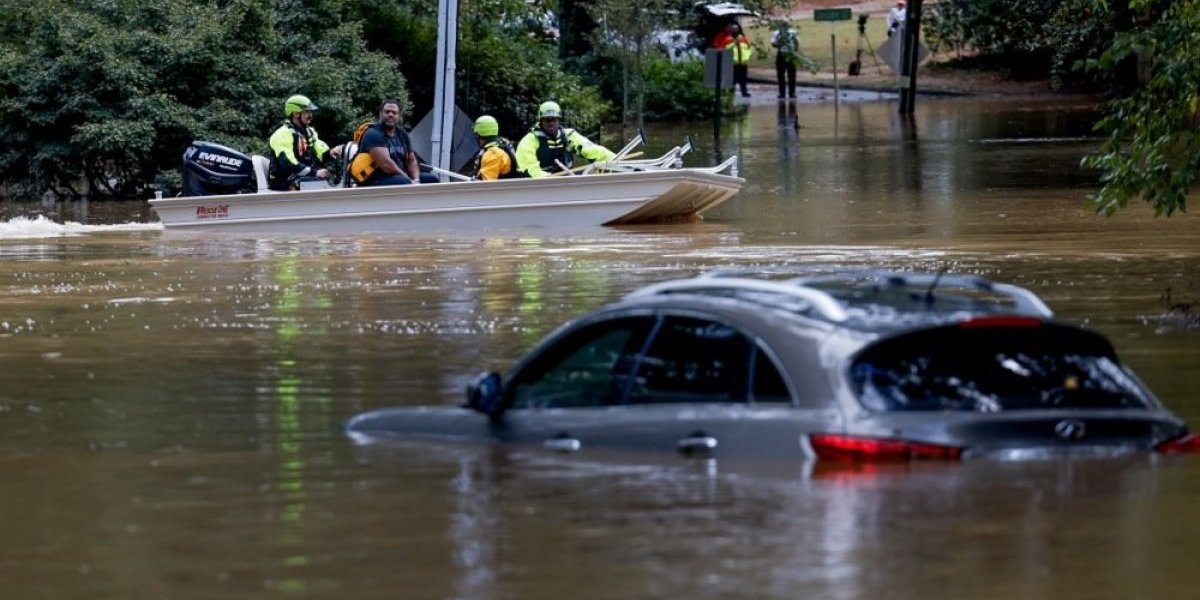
(537, 151)
(296, 151)
(496, 160)
(742, 50)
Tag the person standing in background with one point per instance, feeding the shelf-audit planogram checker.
(895, 17)
(722, 38)
(786, 42)
(742, 53)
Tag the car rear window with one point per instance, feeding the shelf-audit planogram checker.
(993, 369)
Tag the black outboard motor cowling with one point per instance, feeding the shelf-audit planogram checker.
(210, 169)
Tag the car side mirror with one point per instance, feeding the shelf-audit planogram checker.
(486, 394)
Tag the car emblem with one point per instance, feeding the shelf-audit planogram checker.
(1070, 429)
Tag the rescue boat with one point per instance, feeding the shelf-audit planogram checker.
(226, 191)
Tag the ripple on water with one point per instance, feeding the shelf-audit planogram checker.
(42, 227)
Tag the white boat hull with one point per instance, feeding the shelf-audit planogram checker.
(565, 202)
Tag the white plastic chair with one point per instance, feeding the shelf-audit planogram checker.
(261, 165)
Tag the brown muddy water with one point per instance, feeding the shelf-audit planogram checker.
(171, 404)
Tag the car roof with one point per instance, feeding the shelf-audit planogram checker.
(727, 9)
(869, 301)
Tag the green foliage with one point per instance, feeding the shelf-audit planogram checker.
(506, 66)
(1026, 38)
(946, 25)
(1078, 30)
(1152, 151)
(675, 91)
(102, 99)
(631, 67)
(625, 33)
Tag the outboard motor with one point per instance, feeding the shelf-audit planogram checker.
(210, 169)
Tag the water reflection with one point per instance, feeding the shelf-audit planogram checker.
(618, 529)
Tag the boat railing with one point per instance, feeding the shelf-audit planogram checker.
(730, 164)
(671, 159)
(637, 140)
(450, 174)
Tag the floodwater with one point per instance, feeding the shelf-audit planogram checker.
(171, 404)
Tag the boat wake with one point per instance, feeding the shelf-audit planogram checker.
(41, 227)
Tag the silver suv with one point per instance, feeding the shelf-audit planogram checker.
(860, 366)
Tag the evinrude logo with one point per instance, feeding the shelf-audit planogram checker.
(1070, 429)
(224, 160)
(219, 211)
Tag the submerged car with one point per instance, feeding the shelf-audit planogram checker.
(857, 366)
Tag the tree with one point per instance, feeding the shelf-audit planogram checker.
(1030, 38)
(506, 64)
(624, 33)
(1152, 151)
(102, 99)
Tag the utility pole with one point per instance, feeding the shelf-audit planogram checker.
(442, 132)
(909, 56)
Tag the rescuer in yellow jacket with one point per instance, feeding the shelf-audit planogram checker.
(549, 143)
(297, 152)
(496, 158)
(742, 53)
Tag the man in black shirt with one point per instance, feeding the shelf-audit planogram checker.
(391, 157)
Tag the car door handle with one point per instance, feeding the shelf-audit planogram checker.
(697, 442)
(563, 442)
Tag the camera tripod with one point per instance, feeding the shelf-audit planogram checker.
(856, 66)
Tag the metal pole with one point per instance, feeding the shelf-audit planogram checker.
(833, 47)
(444, 89)
(913, 39)
(904, 79)
(717, 100)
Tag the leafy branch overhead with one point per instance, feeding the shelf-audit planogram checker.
(1152, 146)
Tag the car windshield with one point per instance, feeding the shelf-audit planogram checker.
(993, 369)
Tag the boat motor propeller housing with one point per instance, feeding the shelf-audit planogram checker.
(210, 169)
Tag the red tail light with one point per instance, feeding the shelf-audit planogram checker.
(854, 448)
(1005, 321)
(1185, 444)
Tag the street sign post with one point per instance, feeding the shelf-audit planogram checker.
(832, 15)
(718, 74)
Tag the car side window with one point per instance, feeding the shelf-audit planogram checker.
(768, 383)
(693, 360)
(588, 367)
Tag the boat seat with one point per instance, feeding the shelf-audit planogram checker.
(261, 165)
(349, 151)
